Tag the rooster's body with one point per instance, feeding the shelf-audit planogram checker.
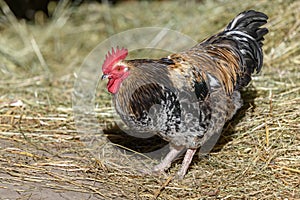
(186, 98)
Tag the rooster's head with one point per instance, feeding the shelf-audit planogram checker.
(114, 69)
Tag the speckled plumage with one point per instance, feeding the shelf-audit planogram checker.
(187, 97)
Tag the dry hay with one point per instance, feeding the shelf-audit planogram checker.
(42, 156)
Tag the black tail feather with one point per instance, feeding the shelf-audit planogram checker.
(247, 36)
(245, 28)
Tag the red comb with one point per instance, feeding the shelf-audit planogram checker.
(113, 57)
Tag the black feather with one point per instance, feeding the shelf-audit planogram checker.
(245, 35)
(167, 61)
(201, 90)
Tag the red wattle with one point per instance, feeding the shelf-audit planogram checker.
(113, 85)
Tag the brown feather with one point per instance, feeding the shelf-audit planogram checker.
(222, 63)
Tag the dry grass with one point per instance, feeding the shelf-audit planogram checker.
(42, 156)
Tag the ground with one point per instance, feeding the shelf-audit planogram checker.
(43, 156)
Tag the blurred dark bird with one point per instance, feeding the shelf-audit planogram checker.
(27, 9)
(187, 97)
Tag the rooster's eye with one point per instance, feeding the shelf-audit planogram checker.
(119, 68)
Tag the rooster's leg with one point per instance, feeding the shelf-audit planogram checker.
(166, 162)
(186, 162)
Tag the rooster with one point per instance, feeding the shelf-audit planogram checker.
(187, 97)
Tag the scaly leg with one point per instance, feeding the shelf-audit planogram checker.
(166, 162)
(186, 162)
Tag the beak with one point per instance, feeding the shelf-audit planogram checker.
(104, 76)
